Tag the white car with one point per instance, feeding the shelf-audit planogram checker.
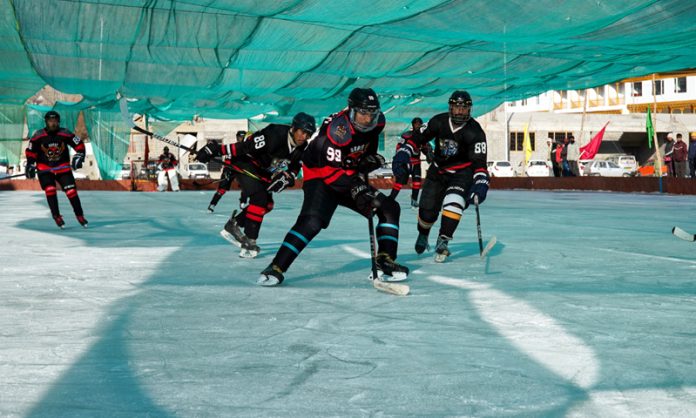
(604, 169)
(500, 169)
(197, 171)
(626, 162)
(125, 171)
(536, 168)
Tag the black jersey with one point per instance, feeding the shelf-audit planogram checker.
(167, 161)
(49, 150)
(265, 152)
(455, 148)
(333, 155)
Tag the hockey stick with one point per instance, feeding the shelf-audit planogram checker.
(482, 251)
(391, 288)
(123, 104)
(680, 233)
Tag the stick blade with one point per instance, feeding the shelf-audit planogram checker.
(489, 247)
(391, 288)
(123, 104)
(680, 233)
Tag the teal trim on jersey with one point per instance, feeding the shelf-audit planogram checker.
(300, 236)
(388, 226)
(291, 247)
(388, 237)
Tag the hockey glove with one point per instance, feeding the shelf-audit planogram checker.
(401, 164)
(280, 181)
(370, 163)
(77, 161)
(479, 188)
(363, 195)
(210, 150)
(30, 171)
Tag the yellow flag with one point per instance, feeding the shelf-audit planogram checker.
(527, 144)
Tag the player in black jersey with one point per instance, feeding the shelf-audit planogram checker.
(335, 166)
(225, 180)
(457, 175)
(265, 162)
(48, 152)
(415, 165)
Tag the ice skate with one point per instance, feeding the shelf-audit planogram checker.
(441, 250)
(271, 276)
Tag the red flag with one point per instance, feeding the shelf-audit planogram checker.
(589, 151)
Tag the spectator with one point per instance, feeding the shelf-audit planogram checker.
(552, 156)
(558, 155)
(573, 156)
(669, 151)
(680, 156)
(692, 155)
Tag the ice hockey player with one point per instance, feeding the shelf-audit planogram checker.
(167, 164)
(265, 162)
(415, 165)
(457, 175)
(48, 152)
(334, 167)
(225, 179)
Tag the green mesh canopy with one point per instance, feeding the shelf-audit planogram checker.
(11, 127)
(241, 58)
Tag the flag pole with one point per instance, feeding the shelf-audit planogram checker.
(582, 121)
(658, 156)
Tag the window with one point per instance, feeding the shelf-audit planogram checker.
(517, 140)
(559, 136)
(680, 85)
(637, 89)
(659, 87)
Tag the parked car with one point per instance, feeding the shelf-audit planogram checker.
(125, 171)
(384, 172)
(626, 162)
(581, 166)
(604, 169)
(535, 168)
(149, 172)
(196, 171)
(648, 169)
(501, 169)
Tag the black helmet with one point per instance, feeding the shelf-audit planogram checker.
(241, 133)
(166, 149)
(460, 98)
(305, 122)
(51, 114)
(364, 101)
(417, 120)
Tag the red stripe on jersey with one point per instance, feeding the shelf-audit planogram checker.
(334, 177)
(256, 210)
(456, 167)
(253, 217)
(80, 147)
(311, 173)
(481, 170)
(30, 154)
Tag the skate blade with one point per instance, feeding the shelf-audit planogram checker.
(229, 237)
(392, 288)
(248, 254)
(440, 258)
(395, 277)
(267, 281)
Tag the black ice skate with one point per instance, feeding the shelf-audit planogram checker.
(232, 233)
(441, 250)
(271, 276)
(422, 243)
(211, 208)
(249, 248)
(389, 270)
(59, 221)
(414, 204)
(81, 219)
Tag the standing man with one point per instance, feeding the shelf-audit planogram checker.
(226, 179)
(669, 153)
(680, 157)
(692, 154)
(573, 156)
(335, 167)
(167, 163)
(265, 162)
(48, 152)
(415, 165)
(457, 175)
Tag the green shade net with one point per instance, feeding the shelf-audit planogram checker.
(11, 127)
(110, 137)
(240, 59)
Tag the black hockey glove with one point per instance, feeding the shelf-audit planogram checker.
(280, 181)
(30, 171)
(77, 161)
(370, 163)
(210, 150)
(363, 195)
(479, 188)
(401, 163)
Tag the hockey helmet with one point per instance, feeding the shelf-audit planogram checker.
(460, 107)
(305, 122)
(365, 102)
(52, 114)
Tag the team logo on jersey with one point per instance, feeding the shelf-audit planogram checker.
(448, 147)
(53, 151)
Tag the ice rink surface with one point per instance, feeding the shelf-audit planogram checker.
(585, 307)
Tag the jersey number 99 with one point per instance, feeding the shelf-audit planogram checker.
(333, 154)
